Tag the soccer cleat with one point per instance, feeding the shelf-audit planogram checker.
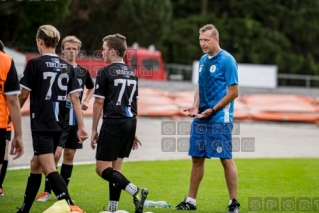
(139, 199)
(43, 197)
(233, 207)
(185, 206)
(76, 209)
(1, 192)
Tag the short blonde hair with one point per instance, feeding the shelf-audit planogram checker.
(211, 27)
(71, 39)
(49, 34)
(117, 42)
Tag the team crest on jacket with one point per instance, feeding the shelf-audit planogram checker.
(212, 68)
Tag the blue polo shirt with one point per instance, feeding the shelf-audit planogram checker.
(216, 74)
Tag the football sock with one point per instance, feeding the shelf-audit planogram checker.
(115, 194)
(59, 187)
(33, 185)
(112, 206)
(47, 186)
(120, 180)
(66, 172)
(3, 172)
(191, 200)
(131, 188)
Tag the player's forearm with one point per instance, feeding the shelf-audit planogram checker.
(77, 109)
(196, 99)
(23, 96)
(230, 96)
(97, 110)
(15, 115)
(88, 95)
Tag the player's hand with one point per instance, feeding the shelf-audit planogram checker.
(85, 105)
(205, 114)
(136, 143)
(82, 135)
(192, 111)
(17, 148)
(94, 138)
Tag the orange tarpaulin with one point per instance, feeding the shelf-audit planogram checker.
(256, 107)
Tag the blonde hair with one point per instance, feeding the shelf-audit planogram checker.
(117, 42)
(211, 27)
(71, 39)
(49, 34)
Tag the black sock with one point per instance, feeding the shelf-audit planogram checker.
(3, 172)
(66, 171)
(47, 186)
(33, 185)
(114, 192)
(59, 187)
(116, 177)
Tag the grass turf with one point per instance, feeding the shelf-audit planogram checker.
(280, 179)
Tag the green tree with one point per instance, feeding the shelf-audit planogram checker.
(259, 31)
(142, 21)
(20, 20)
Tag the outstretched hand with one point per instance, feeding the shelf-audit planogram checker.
(192, 111)
(205, 114)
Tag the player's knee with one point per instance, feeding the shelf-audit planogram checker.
(57, 157)
(98, 171)
(105, 173)
(69, 155)
(35, 166)
(227, 162)
(198, 161)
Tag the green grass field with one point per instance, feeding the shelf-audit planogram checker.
(168, 180)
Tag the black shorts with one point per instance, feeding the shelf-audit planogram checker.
(69, 138)
(116, 138)
(8, 135)
(2, 144)
(45, 142)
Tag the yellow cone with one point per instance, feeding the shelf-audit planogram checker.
(60, 206)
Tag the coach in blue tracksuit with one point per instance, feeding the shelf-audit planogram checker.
(213, 110)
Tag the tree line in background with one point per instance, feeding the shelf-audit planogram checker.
(282, 32)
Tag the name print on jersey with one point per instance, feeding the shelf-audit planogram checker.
(56, 65)
(114, 71)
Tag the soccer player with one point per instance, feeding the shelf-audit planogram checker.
(5, 160)
(213, 109)
(48, 79)
(71, 46)
(9, 90)
(116, 92)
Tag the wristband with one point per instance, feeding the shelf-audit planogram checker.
(213, 110)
